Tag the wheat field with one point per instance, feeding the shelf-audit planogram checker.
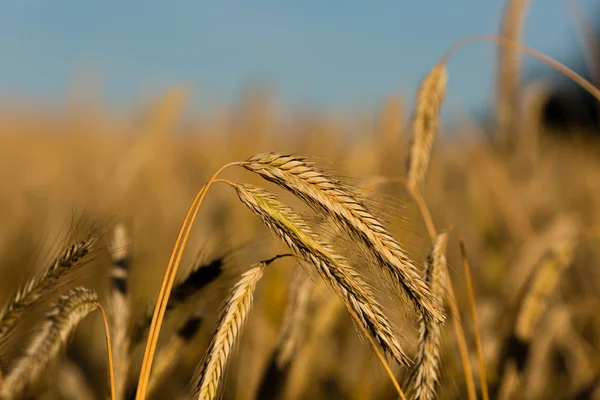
(376, 256)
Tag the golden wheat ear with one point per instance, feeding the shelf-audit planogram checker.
(334, 200)
(61, 320)
(333, 268)
(425, 124)
(236, 309)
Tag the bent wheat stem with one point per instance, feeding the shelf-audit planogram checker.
(501, 41)
(167, 284)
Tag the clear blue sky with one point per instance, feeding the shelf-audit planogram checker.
(331, 54)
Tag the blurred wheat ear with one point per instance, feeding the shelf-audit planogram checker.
(507, 82)
(425, 124)
(61, 320)
(57, 273)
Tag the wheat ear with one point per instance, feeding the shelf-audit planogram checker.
(326, 195)
(334, 269)
(120, 307)
(235, 312)
(295, 319)
(61, 320)
(427, 360)
(70, 259)
(507, 83)
(532, 306)
(425, 123)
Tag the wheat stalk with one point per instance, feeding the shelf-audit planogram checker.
(37, 287)
(427, 360)
(329, 196)
(61, 320)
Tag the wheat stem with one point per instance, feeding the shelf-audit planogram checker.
(471, 296)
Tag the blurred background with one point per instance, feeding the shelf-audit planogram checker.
(118, 112)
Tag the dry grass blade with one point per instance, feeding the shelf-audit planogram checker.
(334, 269)
(61, 320)
(425, 123)
(71, 258)
(235, 312)
(427, 360)
(331, 198)
(120, 307)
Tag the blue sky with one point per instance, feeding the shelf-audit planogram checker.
(328, 54)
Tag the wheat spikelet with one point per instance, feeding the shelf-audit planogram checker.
(61, 320)
(236, 308)
(167, 359)
(71, 258)
(427, 360)
(329, 196)
(295, 318)
(507, 84)
(334, 269)
(120, 307)
(425, 123)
